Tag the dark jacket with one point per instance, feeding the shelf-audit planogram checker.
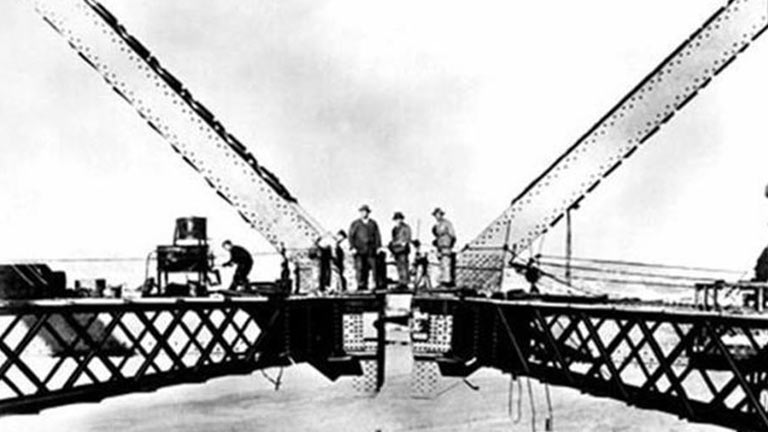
(240, 257)
(401, 239)
(445, 236)
(364, 237)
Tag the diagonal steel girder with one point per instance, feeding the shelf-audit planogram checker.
(666, 90)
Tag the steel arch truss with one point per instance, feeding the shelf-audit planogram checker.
(703, 367)
(55, 353)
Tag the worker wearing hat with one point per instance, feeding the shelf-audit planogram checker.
(445, 239)
(338, 259)
(364, 244)
(400, 247)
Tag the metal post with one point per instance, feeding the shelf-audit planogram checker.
(505, 249)
(696, 295)
(568, 246)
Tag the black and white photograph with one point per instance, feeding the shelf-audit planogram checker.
(356, 215)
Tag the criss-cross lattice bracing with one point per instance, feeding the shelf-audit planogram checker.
(702, 366)
(53, 353)
(614, 138)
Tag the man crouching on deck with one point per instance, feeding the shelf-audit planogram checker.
(243, 262)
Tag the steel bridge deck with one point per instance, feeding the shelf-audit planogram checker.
(701, 366)
(61, 352)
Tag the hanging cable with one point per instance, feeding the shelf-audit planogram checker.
(515, 417)
(549, 422)
(629, 273)
(533, 405)
(572, 288)
(464, 381)
(471, 385)
(644, 264)
(277, 381)
(510, 396)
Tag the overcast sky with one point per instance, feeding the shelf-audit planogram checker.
(402, 105)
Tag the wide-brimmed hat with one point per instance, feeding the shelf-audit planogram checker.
(437, 210)
(365, 207)
(398, 215)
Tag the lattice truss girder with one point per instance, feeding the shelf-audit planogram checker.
(704, 367)
(614, 138)
(57, 354)
(698, 366)
(190, 128)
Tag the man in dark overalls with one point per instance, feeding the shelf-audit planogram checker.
(243, 262)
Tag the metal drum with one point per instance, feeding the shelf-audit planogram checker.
(191, 228)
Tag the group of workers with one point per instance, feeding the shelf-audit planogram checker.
(365, 245)
(366, 248)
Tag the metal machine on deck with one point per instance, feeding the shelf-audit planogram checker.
(189, 255)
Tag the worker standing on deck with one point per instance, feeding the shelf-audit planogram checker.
(323, 253)
(420, 268)
(364, 244)
(445, 239)
(243, 262)
(400, 246)
(338, 259)
(533, 274)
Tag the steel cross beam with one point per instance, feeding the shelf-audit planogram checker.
(61, 352)
(702, 366)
